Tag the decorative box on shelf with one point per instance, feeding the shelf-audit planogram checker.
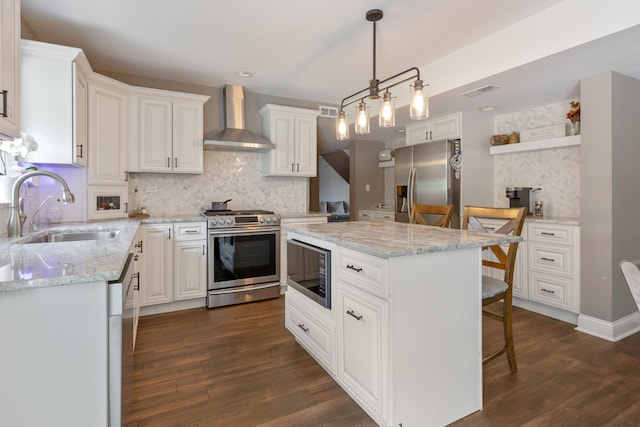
(548, 132)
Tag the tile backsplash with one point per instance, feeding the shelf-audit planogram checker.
(557, 171)
(227, 175)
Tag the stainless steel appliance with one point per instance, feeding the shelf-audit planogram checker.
(520, 197)
(120, 292)
(309, 271)
(244, 256)
(428, 173)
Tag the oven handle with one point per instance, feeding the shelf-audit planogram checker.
(243, 288)
(237, 231)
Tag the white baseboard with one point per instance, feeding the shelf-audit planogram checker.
(546, 310)
(173, 306)
(611, 331)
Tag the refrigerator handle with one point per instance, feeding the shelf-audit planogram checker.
(412, 176)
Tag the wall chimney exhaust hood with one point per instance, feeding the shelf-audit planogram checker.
(235, 137)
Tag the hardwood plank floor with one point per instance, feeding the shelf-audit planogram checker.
(238, 366)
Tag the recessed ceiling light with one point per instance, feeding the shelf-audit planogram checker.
(243, 74)
(479, 91)
(487, 108)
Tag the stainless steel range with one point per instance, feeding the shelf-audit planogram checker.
(244, 256)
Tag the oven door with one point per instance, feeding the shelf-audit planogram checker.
(243, 257)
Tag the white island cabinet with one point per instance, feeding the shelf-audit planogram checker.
(405, 315)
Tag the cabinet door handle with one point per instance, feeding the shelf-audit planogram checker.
(126, 207)
(4, 104)
(544, 233)
(548, 291)
(354, 268)
(79, 147)
(169, 233)
(136, 277)
(354, 315)
(548, 259)
(297, 167)
(203, 251)
(175, 162)
(301, 326)
(138, 245)
(292, 169)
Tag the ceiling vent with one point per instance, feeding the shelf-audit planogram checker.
(479, 91)
(328, 111)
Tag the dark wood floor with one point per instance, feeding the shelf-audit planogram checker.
(237, 366)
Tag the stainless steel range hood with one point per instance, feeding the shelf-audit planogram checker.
(235, 137)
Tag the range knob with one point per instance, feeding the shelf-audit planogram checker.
(229, 221)
(261, 220)
(214, 221)
(275, 219)
(269, 220)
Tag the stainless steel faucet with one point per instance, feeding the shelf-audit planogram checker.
(17, 217)
(34, 225)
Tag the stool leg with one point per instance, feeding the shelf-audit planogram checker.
(508, 335)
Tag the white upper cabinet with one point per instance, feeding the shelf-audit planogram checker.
(54, 95)
(168, 128)
(108, 131)
(294, 131)
(10, 68)
(446, 127)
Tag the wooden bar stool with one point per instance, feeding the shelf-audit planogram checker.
(493, 289)
(421, 213)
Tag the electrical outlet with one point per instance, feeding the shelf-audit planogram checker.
(367, 187)
(151, 189)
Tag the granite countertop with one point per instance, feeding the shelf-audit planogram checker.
(41, 265)
(561, 220)
(394, 239)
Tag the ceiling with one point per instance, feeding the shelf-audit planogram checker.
(320, 54)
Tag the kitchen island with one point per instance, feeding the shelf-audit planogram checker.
(403, 334)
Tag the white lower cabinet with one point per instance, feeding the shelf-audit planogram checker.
(376, 215)
(190, 261)
(362, 344)
(174, 266)
(554, 265)
(313, 327)
(157, 264)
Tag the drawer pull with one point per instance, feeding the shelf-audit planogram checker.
(547, 291)
(354, 268)
(301, 326)
(354, 315)
(548, 259)
(545, 233)
(191, 231)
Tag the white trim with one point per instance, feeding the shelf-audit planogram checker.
(546, 310)
(611, 331)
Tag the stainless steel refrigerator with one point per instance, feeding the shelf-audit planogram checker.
(428, 173)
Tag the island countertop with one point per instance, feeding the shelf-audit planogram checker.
(395, 239)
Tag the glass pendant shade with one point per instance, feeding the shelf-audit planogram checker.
(419, 105)
(362, 119)
(387, 117)
(342, 126)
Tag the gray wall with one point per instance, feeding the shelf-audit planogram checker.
(610, 200)
(363, 170)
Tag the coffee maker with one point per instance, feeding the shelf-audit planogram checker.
(520, 197)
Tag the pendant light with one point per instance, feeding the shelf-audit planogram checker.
(419, 103)
(362, 118)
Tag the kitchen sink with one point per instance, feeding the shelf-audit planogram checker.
(72, 236)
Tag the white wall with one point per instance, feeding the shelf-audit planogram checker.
(332, 186)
